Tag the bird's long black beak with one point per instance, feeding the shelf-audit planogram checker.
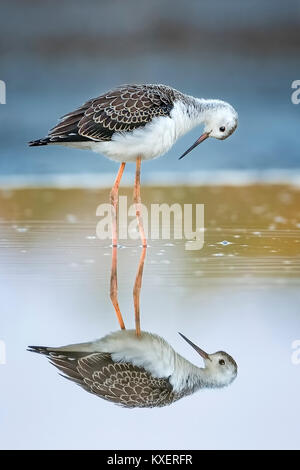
(199, 350)
(198, 141)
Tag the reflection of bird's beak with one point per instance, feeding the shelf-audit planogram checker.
(198, 141)
(199, 350)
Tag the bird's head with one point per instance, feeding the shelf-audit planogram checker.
(220, 122)
(220, 366)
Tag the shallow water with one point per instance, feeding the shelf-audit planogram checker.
(240, 293)
(250, 232)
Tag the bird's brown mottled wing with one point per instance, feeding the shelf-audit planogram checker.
(118, 382)
(124, 383)
(121, 110)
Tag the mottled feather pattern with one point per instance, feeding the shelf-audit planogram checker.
(121, 110)
(119, 382)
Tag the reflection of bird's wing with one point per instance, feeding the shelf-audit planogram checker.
(118, 382)
(121, 110)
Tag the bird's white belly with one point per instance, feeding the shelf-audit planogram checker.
(149, 142)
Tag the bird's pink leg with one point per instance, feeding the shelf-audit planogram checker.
(138, 280)
(137, 201)
(113, 278)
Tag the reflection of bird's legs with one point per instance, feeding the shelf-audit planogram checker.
(114, 196)
(136, 291)
(138, 279)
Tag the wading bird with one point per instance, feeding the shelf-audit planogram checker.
(143, 372)
(134, 123)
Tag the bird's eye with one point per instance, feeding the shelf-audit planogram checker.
(222, 362)
(222, 129)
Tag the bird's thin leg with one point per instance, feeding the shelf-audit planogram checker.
(113, 278)
(138, 279)
(137, 201)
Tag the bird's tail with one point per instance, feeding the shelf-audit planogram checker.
(65, 362)
(44, 141)
(56, 352)
(39, 349)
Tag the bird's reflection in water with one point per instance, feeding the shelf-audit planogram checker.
(142, 371)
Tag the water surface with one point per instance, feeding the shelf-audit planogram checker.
(240, 293)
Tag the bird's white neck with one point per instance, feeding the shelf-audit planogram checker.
(191, 112)
(188, 378)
